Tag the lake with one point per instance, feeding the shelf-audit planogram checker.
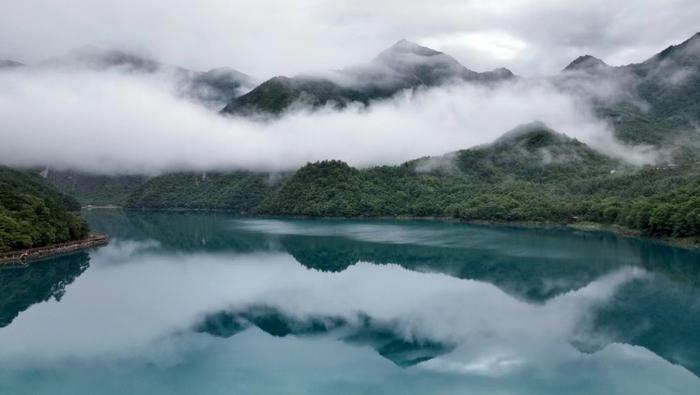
(211, 303)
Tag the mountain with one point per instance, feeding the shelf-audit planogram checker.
(9, 64)
(686, 53)
(213, 88)
(278, 94)
(535, 152)
(33, 184)
(415, 65)
(93, 189)
(219, 86)
(586, 63)
(656, 102)
(531, 174)
(32, 214)
(405, 65)
(532, 154)
(239, 191)
(669, 83)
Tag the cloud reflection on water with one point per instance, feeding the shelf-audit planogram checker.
(139, 305)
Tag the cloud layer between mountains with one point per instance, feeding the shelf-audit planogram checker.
(111, 122)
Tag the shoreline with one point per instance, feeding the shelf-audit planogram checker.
(585, 226)
(22, 257)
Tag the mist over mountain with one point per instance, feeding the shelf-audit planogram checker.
(409, 101)
(405, 65)
(531, 153)
(264, 196)
(532, 174)
(94, 58)
(419, 65)
(586, 63)
(213, 88)
(654, 102)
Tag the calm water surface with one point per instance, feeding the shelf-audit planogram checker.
(211, 303)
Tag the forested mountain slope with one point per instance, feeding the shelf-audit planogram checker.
(405, 65)
(32, 214)
(531, 174)
(655, 102)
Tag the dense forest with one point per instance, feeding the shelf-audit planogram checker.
(238, 191)
(506, 181)
(531, 174)
(32, 214)
(92, 189)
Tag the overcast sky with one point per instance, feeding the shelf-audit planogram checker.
(267, 37)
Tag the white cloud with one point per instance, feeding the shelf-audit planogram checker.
(496, 45)
(110, 122)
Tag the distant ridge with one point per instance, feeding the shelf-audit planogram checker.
(214, 88)
(586, 62)
(404, 65)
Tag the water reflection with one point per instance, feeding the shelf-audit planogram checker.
(656, 313)
(449, 308)
(532, 264)
(23, 286)
(362, 331)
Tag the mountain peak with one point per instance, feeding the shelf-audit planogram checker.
(404, 46)
(227, 72)
(533, 135)
(421, 65)
(500, 73)
(586, 62)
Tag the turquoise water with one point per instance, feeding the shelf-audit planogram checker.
(210, 303)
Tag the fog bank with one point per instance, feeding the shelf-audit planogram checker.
(110, 122)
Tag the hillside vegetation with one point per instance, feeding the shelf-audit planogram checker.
(32, 214)
(238, 191)
(655, 102)
(532, 174)
(405, 65)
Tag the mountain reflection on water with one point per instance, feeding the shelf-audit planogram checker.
(23, 286)
(509, 309)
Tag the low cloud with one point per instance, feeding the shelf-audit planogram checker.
(112, 122)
